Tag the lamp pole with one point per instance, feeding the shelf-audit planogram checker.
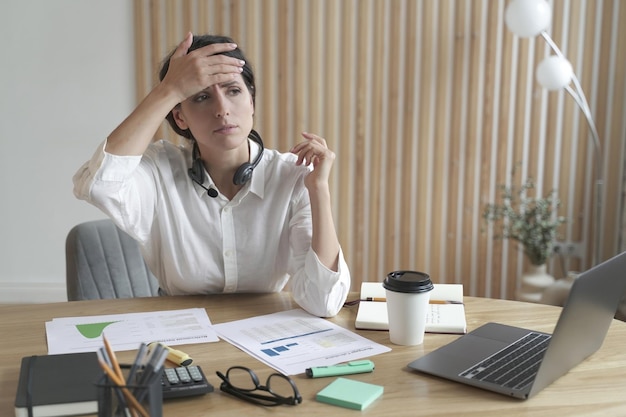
(579, 97)
(529, 18)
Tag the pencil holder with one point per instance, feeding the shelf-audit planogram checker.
(143, 396)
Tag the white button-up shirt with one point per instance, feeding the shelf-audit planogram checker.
(197, 244)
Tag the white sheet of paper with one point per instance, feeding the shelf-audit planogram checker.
(291, 341)
(128, 331)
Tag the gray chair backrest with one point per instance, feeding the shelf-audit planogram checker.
(104, 262)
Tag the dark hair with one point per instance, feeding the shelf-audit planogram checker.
(198, 42)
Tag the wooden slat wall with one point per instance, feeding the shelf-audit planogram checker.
(428, 105)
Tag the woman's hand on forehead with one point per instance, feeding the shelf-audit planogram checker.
(189, 73)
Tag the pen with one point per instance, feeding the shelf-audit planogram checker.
(178, 357)
(137, 363)
(156, 356)
(444, 302)
(430, 302)
(354, 367)
(153, 371)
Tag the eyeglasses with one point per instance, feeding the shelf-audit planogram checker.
(242, 382)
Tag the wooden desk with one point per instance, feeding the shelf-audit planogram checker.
(597, 387)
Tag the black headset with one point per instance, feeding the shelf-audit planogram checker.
(242, 175)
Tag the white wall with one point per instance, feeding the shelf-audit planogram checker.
(66, 81)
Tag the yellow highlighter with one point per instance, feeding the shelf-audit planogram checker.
(176, 356)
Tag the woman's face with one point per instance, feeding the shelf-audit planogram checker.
(219, 117)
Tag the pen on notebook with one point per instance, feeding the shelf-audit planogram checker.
(430, 302)
(445, 302)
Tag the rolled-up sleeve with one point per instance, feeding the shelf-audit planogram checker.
(111, 183)
(316, 288)
(319, 290)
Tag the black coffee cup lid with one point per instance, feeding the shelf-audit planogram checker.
(408, 281)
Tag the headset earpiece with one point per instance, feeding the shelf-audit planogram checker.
(244, 172)
(196, 172)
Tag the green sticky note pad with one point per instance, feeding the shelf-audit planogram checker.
(350, 393)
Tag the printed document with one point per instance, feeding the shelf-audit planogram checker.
(128, 331)
(291, 341)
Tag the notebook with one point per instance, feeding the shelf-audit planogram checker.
(441, 318)
(60, 385)
(579, 332)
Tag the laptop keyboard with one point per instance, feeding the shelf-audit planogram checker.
(513, 367)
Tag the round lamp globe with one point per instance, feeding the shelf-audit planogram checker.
(554, 73)
(528, 18)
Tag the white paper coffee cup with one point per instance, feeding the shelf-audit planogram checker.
(408, 296)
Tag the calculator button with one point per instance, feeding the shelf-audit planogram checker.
(172, 376)
(194, 373)
(183, 375)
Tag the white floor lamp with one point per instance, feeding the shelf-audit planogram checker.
(527, 19)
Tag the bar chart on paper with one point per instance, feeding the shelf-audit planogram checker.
(291, 341)
(127, 331)
(278, 350)
(280, 338)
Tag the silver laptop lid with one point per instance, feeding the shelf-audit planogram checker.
(585, 319)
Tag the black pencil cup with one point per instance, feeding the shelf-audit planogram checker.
(145, 398)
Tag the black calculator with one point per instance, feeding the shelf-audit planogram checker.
(184, 381)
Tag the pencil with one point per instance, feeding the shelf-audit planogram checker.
(120, 383)
(104, 358)
(114, 362)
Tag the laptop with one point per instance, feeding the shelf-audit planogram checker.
(480, 358)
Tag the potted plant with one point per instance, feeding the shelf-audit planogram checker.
(532, 222)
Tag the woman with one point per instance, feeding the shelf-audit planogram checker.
(221, 215)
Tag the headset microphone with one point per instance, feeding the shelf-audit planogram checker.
(212, 192)
(242, 175)
(196, 172)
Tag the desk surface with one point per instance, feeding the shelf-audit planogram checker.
(594, 388)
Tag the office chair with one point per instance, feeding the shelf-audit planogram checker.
(104, 262)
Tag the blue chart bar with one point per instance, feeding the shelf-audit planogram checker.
(277, 350)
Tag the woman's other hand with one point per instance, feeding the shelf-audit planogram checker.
(314, 151)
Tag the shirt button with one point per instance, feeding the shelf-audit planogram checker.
(228, 253)
(226, 209)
